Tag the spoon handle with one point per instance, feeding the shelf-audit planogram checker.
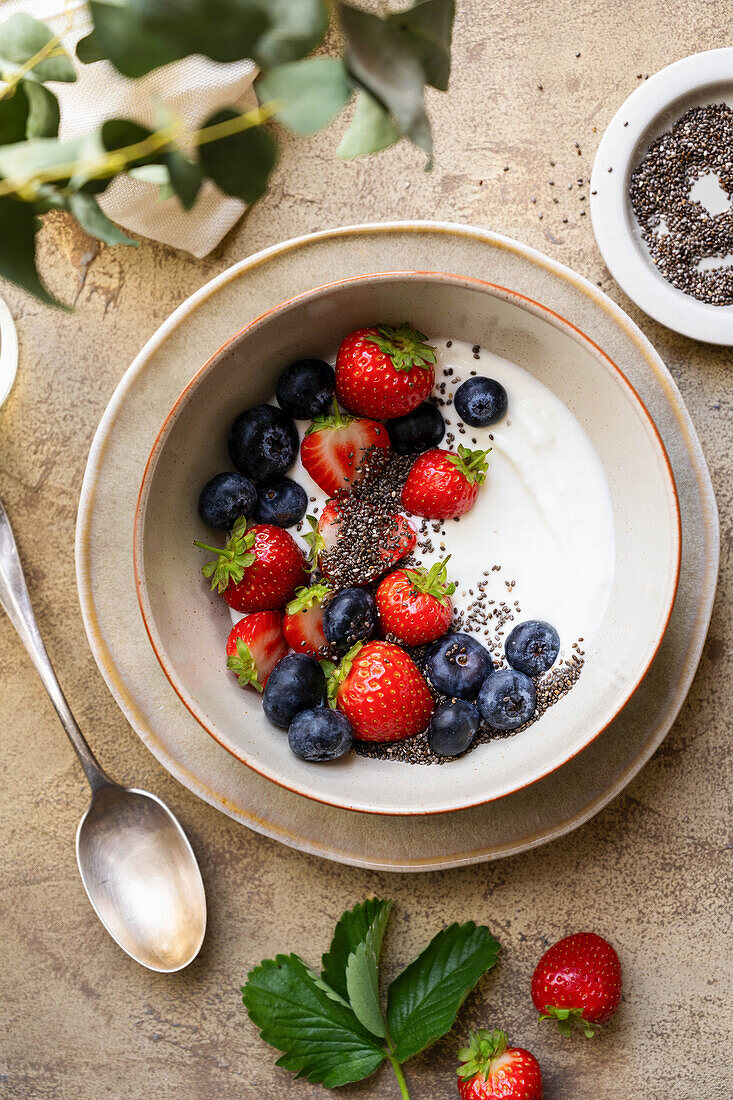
(15, 600)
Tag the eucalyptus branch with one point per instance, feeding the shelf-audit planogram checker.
(52, 48)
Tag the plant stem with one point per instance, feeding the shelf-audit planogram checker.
(400, 1077)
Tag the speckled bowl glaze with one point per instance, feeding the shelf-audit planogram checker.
(187, 624)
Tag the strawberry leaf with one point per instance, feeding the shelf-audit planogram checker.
(306, 597)
(362, 975)
(351, 930)
(321, 1038)
(433, 582)
(406, 347)
(244, 666)
(231, 562)
(423, 1001)
(472, 464)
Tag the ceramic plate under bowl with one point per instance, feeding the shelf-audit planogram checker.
(186, 625)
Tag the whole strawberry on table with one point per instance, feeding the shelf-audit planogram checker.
(310, 642)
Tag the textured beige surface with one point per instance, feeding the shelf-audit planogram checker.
(652, 871)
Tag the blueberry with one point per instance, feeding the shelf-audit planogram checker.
(306, 388)
(507, 699)
(480, 401)
(457, 665)
(453, 727)
(350, 617)
(263, 443)
(532, 647)
(281, 501)
(225, 498)
(296, 683)
(320, 734)
(420, 430)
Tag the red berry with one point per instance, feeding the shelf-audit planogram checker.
(577, 982)
(254, 647)
(491, 1070)
(382, 692)
(303, 620)
(384, 372)
(415, 604)
(259, 569)
(442, 485)
(334, 446)
(398, 539)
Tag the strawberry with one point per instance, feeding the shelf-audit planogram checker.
(442, 485)
(415, 605)
(254, 647)
(384, 372)
(578, 983)
(382, 692)
(491, 1070)
(334, 447)
(303, 620)
(259, 569)
(394, 536)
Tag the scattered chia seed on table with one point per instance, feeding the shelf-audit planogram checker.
(678, 230)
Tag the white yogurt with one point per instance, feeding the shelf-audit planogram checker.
(543, 513)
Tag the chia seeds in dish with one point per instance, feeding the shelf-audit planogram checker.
(679, 231)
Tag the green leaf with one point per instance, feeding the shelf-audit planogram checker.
(423, 1001)
(86, 211)
(13, 116)
(426, 30)
(27, 158)
(312, 91)
(157, 174)
(138, 37)
(21, 38)
(362, 976)
(185, 178)
(351, 930)
(241, 163)
(380, 62)
(322, 1040)
(371, 129)
(294, 30)
(18, 225)
(43, 111)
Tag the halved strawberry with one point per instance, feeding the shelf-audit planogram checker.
(334, 447)
(324, 534)
(257, 570)
(255, 645)
(338, 549)
(303, 619)
(443, 485)
(382, 692)
(384, 371)
(415, 605)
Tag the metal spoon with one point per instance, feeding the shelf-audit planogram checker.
(137, 866)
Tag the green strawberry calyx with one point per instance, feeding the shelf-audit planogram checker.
(484, 1047)
(315, 542)
(306, 597)
(472, 464)
(336, 674)
(335, 418)
(244, 666)
(569, 1018)
(432, 582)
(405, 346)
(231, 562)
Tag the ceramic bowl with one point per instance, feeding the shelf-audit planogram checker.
(187, 624)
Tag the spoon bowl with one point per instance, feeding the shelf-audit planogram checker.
(142, 878)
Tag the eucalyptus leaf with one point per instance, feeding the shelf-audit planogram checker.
(185, 178)
(322, 1040)
(239, 164)
(295, 29)
(18, 226)
(370, 131)
(87, 212)
(427, 29)
(157, 174)
(380, 61)
(14, 110)
(312, 91)
(43, 110)
(21, 38)
(351, 930)
(23, 160)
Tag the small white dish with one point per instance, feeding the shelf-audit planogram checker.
(650, 110)
(8, 351)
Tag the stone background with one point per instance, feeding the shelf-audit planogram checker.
(652, 871)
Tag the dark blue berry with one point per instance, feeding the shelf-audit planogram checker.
(306, 388)
(453, 727)
(225, 498)
(480, 401)
(263, 443)
(350, 617)
(507, 699)
(320, 734)
(457, 665)
(296, 683)
(532, 647)
(281, 501)
(418, 431)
